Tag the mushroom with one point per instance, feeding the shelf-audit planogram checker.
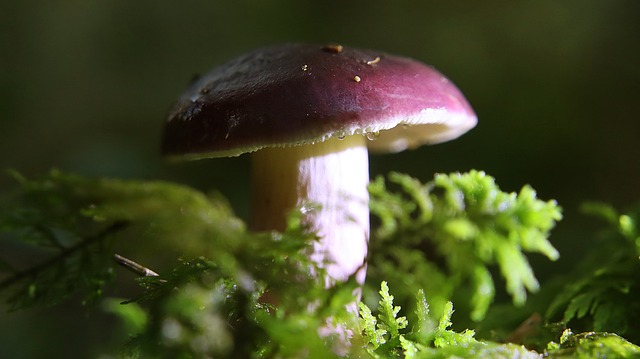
(308, 115)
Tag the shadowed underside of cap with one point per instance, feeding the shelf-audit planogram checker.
(295, 94)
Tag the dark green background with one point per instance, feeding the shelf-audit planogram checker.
(85, 86)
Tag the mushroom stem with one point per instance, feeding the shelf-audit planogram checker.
(328, 181)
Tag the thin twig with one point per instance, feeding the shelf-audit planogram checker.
(136, 268)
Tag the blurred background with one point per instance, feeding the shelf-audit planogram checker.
(85, 87)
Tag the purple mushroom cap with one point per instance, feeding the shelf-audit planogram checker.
(294, 94)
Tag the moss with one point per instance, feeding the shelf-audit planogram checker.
(223, 291)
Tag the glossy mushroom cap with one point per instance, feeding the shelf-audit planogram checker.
(295, 94)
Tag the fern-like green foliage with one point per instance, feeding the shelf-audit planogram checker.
(385, 335)
(388, 335)
(212, 294)
(603, 293)
(237, 294)
(463, 224)
(69, 224)
(592, 345)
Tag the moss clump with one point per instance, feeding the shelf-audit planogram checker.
(225, 292)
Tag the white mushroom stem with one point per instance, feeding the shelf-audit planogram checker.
(328, 180)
